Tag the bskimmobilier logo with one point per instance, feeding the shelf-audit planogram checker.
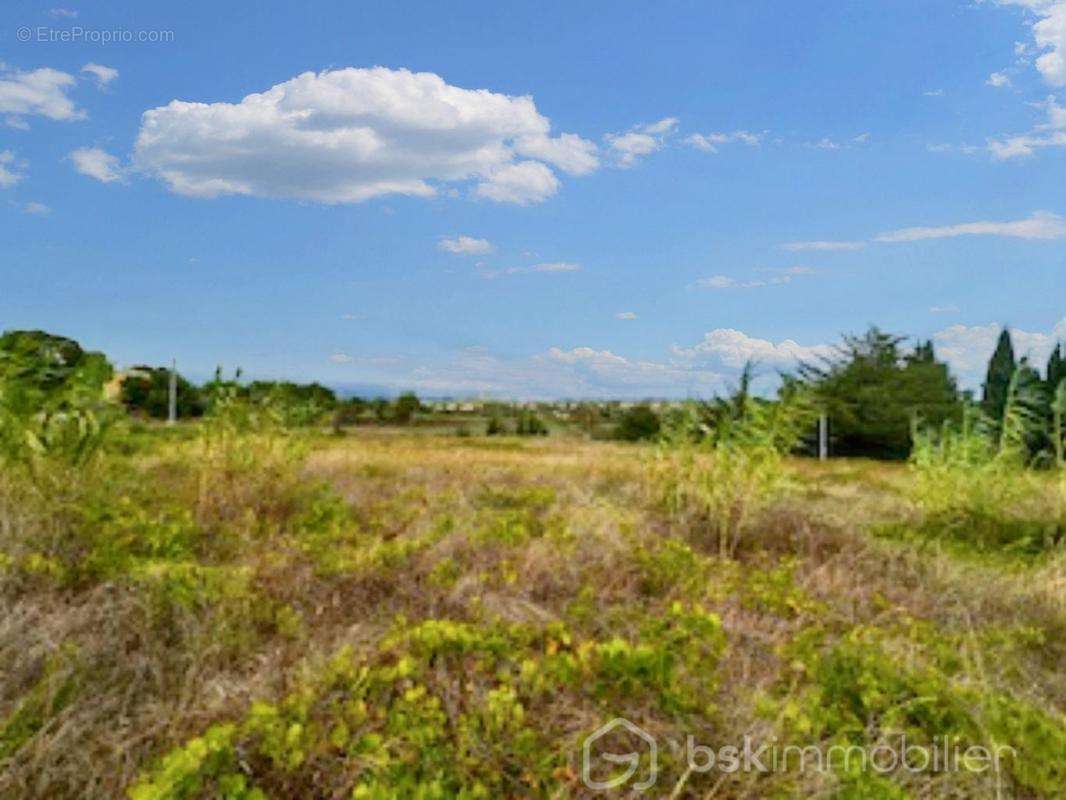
(622, 754)
(619, 743)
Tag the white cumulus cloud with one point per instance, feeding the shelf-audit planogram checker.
(347, 135)
(734, 348)
(639, 141)
(1049, 33)
(522, 183)
(42, 92)
(967, 348)
(97, 163)
(103, 75)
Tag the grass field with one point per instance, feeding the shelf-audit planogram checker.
(389, 614)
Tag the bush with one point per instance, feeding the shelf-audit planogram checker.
(972, 483)
(147, 390)
(637, 423)
(405, 407)
(720, 478)
(529, 424)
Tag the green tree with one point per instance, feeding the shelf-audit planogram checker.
(529, 424)
(52, 407)
(1056, 368)
(874, 391)
(40, 371)
(997, 380)
(405, 407)
(638, 423)
(146, 390)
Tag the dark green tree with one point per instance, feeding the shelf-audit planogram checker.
(405, 407)
(1056, 368)
(146, 390)
(997, 380)
(529, 424)
(638, 423)
(874, 391)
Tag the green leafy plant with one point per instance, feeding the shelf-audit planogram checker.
(721, 470)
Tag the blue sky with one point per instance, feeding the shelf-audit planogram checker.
(532, 199)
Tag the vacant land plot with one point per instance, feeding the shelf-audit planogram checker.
(206, 613)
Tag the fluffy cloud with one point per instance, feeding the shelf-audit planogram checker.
(734, 348)
(569, 152)
(603, 372)
(968, 348)
(710, 142)
(344, 136)
(1041, 225)
(38, 209)
(42, 92)
(522, 183)
(465, 245)
(557, 372)
(626, 315)
(998, 80)
(799, 247)
(9, 166)
(97, 163)
(1049, 32)
(639, 141)
(103, 75)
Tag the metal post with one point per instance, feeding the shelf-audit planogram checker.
(823, 437)
(172, 406)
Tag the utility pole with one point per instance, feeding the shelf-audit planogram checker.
(172, 405)
(823, 437)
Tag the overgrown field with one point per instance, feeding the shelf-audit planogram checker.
(230, 609)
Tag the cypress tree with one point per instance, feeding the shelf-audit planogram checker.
(1056, 369)
(997, 382)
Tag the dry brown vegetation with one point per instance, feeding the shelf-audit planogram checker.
(400, 615)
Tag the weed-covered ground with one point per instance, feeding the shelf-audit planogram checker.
(387, 615)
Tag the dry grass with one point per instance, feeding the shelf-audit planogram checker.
(102, 676)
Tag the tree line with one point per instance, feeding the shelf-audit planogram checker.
(874, 389)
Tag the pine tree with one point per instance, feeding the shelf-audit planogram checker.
(873, 390)
(997, 382)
